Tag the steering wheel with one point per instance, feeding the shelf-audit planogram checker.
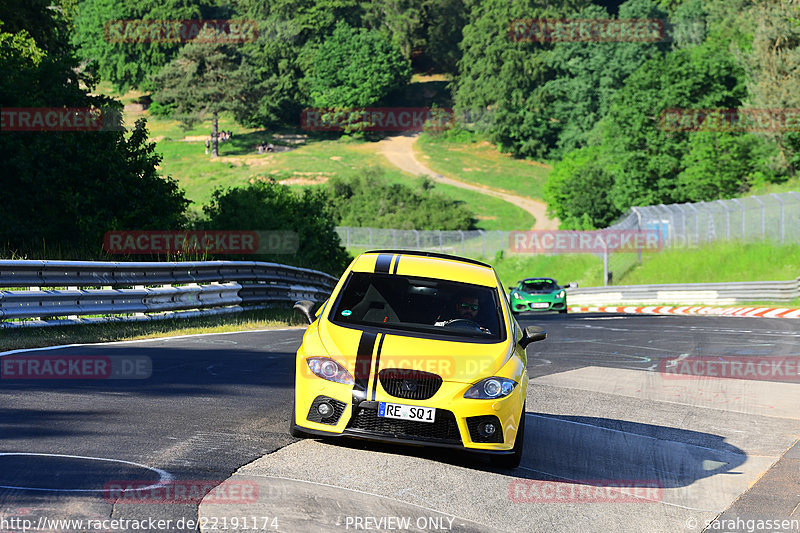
(465, 323)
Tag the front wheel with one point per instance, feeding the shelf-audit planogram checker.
(563, 311)
(513, 460)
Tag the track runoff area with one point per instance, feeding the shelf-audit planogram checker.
(631, 426)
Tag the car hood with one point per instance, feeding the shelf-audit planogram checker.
(455, 360)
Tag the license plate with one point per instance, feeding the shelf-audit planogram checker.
(406, 412)
(541, 305)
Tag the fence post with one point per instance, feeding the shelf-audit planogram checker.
(741, 208)
(763, 217)
(416, 234)
(727, 219)
(483, 242)
(440, 241)
(795, 195)
(696, 223)
(370, 237)
(639, 227)
(394, 238)
(783, 229)
(348, 236)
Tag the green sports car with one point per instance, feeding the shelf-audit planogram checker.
(538, 294)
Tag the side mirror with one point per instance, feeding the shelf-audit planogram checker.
(511, 288)
(532, 334)
(305, 308)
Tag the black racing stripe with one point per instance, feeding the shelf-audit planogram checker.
(377, 366)
(396, 262)
(364, 360)
(383, 263)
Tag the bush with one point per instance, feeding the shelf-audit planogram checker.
(269, 206)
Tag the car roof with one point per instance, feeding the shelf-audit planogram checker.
(427, 265)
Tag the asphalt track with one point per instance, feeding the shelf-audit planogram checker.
(600, 415)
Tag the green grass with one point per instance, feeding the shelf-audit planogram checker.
(720, 262)
(481, 163)
(309, 163)
(22, 338)
(584, 269)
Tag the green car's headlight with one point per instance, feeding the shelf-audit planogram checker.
(491, 389)
(329, 369)
(561, 294)
(516, 295)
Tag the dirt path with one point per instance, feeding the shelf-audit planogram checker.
(399, 150)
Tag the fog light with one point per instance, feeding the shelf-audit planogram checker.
(487, 429)
(325, 410)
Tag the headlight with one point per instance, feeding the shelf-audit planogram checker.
(561, 294)
(491, 389)
(329, 369)
(516, 295)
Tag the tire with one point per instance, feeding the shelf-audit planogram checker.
(293, 431)
(513, 460)
(563, 312)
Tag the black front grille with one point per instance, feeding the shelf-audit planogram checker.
(443, 429)
(409, 384)
(333, 418)
(474, 424)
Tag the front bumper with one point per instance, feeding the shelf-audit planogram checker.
(457, 423)
(522, 306)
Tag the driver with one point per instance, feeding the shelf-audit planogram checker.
(467, 307)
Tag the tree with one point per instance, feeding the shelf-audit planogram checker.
(123, 57)
(722, 165)
(69, 188)
(645, 158)
(500, 74)
(774, 71)
(204, 80)
(266, 206)
(587, 76)
(578, 190)
(355, 68)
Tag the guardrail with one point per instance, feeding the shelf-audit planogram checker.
(147, 290)
(687, 294)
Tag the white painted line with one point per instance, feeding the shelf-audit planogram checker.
(164, 477)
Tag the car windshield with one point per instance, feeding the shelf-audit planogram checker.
(421, 305)
(539, 285)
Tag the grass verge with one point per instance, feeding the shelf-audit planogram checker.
(22, 338)
(479, 162)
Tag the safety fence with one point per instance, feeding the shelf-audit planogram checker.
(772, 217)
(39, 293)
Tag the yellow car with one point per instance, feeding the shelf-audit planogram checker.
(415, 348)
